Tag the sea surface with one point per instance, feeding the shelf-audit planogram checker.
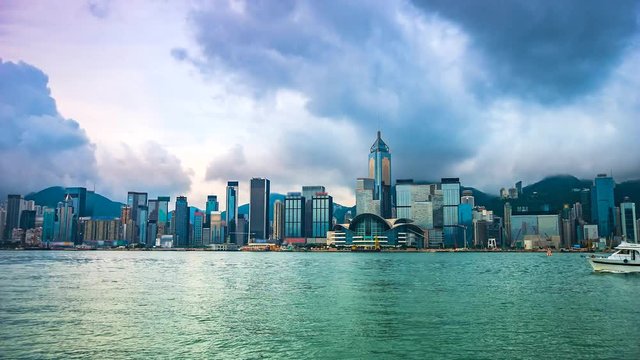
(237, 305)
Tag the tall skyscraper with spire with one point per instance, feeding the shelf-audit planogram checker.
(380, 172)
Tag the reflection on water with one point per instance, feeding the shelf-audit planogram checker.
(313, 305)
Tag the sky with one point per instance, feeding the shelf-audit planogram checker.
(178, 97)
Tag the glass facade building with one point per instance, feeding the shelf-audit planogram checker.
(231, 215)
(413, 201)
(66, 223)
(380, 172)
(163, 209)
(143, 213)
(216, 227)
(321, 215)
(370, 230)
(181, 227)
(629, 221)
(48, 224)
(198, 223)
(260, 190)
(152, 206)
(294, 204)
(135, 200)
(79, 200)
(13, 214)
(602, 205)
(309, 192)
(450, 203)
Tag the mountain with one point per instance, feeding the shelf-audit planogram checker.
(631, 189)
(556, 191)
(97, 205)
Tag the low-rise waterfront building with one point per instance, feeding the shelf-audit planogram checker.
(370, 230)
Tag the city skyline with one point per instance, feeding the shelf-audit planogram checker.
(164, 103)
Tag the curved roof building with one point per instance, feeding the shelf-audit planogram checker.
(364, 229)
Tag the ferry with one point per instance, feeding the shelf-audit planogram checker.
(625, 260)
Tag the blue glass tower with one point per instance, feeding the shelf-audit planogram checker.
(602, 204)
(450, 216)
(380, 172)
(181, 229)
(48, 224)
(231, 215)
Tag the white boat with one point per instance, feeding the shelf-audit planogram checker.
(625, 260)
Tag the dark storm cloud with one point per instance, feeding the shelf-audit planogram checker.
(547, 50)
(38, 147)
(353, 60)
(456, 87)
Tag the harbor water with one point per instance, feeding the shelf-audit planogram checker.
(237, 305)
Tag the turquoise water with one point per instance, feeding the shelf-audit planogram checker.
(112, 305)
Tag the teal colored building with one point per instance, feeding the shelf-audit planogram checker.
(603, 210)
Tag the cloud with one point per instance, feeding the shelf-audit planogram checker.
(487, 91)
(38, 147)
(549, 51)
(290, 158)
(150, 168)
(99, 8)
(387, 66)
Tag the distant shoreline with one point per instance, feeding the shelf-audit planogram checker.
(313, 251)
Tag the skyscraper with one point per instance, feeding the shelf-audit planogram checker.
(602, 205)
(321, 214)
(628, 220)
(451, 200)
(79, 200)
(365, 197)
(217, 228)
(413, 201)
(231, 215)
(3, 221)
(163, 215)
(143, 218)
(198, 223)
(380, 172)
(259, 209)
(309, 192)
(212, 205)
(66, 223)
(14, 203)
(153, 209)
(507, 224)
(126, 223)
(278, 221)
(294, 204)
(27, 219)
(181, 230)
(135, 200)
(163, 209)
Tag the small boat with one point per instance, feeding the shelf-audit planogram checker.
(625, 260)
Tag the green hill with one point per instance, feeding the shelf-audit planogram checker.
(97, 205)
